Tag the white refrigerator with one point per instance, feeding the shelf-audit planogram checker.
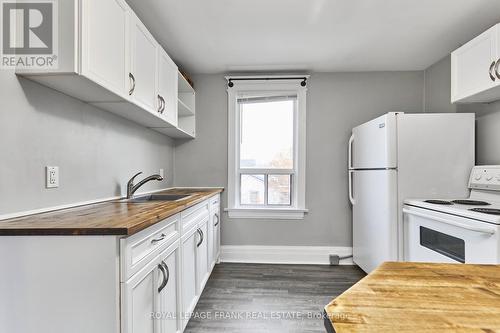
(399, 156)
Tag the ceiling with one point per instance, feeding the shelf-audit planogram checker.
(221, 36)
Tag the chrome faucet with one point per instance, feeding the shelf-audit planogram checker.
(131, 188)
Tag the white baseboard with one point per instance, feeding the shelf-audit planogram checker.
(308, 255)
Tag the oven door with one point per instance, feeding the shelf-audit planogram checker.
(431, 236)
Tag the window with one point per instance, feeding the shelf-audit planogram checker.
(266, 149)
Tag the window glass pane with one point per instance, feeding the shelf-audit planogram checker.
(279, 190)
(252, 189)
(267, 134)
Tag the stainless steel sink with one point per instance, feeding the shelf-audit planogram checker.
(159, 197)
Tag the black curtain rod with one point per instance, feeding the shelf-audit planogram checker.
(230, 84)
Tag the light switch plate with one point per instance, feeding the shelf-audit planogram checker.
(52, 177)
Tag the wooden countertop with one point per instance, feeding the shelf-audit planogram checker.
(106, 218)
(419, 297)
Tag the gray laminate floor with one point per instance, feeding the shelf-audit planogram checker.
(244, 298)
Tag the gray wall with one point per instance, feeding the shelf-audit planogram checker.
(488, 134)
(336, 103)
(95, 150)
(438, 87)
(437, 99)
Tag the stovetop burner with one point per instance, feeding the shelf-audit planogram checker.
(486, 211)
(471, 202)
(439, 202)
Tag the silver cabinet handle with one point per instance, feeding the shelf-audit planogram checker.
(131, 77)
(491, 70)
(166, 275)
(496, 69)
(201, 237)
(159, 239)
(218, 220)
(162, 104)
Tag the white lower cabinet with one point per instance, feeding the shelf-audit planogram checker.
(196, 262)
(202, 265)
(150, 298)
(148, 282)
(169, 297)
(188, 273)
(214, 231)
(138, 302)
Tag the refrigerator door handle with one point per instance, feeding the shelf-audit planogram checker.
(351, 196)
(349, 157)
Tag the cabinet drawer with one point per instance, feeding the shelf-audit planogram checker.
(194, 215)
(137, 250)
(215, 202)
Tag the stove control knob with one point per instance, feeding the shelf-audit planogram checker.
(478, 176)
(489, 177)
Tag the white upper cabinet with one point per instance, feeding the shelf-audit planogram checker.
(108, 58)
(143, 65)
(104, 42)
(167, 87)
(475, 73)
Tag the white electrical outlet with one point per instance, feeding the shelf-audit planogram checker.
(162, 173)
(52, 177)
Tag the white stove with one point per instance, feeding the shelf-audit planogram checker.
(464, 230)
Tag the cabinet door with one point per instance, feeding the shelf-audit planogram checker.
(471, 66)
(216, 236)
(188, 274)
(143, 64)
(139, 301)
(104, 46)
(167, 86)
(169, 300)
(202, 257)
(213, 238)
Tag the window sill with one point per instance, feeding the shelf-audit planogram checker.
(266, 213)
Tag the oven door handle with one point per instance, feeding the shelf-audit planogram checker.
(454, 223)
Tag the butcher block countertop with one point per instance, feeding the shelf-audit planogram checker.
(420, 297)
(115, 217)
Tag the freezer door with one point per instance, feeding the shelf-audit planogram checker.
(373, 145)
(375, 222)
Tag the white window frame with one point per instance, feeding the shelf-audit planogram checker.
(243, 88)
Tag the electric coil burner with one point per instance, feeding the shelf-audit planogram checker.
(439, 202)
(486, 211)
(471, 202)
